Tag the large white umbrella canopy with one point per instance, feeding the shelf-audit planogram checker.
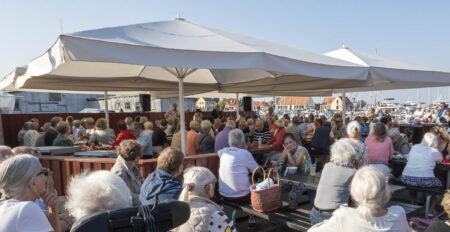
(387, 73)
(175, 54)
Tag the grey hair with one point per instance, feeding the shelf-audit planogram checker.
(393, 132)
(205, 125)
(16, 173)
(342, 152)
(429, 140)
(128, 121)
(236, 138)
(106, 191)
(353, 128)
(47, 126)
(198, 178)
(76, 123)
(194, 124)
(230, 124)
(369, 189)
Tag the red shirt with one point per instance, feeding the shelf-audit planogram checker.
(125, 134)
(277, 140)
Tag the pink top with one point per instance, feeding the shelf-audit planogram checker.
(379, 152)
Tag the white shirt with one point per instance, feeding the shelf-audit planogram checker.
(22, 216)
(346, 219)
(418, 113)
(235, 165)
(421, 161)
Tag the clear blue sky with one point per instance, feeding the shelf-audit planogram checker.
(412, 30)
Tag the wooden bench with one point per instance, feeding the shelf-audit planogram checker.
(283, 216)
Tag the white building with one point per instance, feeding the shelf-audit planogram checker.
(205, 104)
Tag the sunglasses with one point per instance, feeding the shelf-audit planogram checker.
(43, 171)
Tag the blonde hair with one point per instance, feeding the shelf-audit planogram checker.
(429, 140)
(370, 190)
(441, 133)
(353, 128)
(129, 149)
(446, 202)
(148, 125)
(170, 159)
(195, 180)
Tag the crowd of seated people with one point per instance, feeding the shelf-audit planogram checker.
(359, 153)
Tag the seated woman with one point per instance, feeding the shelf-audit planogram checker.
(293, 153)
(362, 153)
(334, 184)
(128, 154)
(205, 139)
(401, 145)
(102, 134)
(443, 139)
(198, 189)
(163, 181)
(124, 133)
(63, 131)
(370, 191)
(442, 226)
(22, 181)
(419, 170)
(380, 148)
(105, 191)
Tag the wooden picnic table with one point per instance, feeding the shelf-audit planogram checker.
(283, 216)
(253, 148)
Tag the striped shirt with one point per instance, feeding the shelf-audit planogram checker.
(265, 135)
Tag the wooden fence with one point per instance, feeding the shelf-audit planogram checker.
(64, 167)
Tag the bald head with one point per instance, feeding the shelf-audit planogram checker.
(24, 150)
(259, 125)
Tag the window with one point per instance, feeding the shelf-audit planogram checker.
(127, 105)
(54, 97)
(17, 105)
(137, 104)
(117, 106)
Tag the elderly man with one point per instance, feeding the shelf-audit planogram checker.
(218, 125)
(243, 126)
(222, 137)
(52, 133)
(260, 132)
(159, 138)
(441, 111)
(216, 113)
(277, 140)
(192, 145)
(338, 131)
(173, 113)
(401, 145)
(418, 113)
(40, 142)
(143, 138)
(235, 166)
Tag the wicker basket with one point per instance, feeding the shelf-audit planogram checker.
(266, 200)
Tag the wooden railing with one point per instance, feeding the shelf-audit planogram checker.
(64, 167)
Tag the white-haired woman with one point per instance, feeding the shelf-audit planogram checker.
(198, 189)
(419, 170)
(362, 153)
(334, 184)
(22, 181)
(370, 191)
(401, 145)
(205, 139)
(94, 192)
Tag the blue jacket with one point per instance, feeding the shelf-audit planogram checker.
(162, 184)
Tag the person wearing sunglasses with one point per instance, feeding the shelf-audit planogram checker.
(22, 181)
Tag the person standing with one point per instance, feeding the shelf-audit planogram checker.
(216, 113)
(172, 113)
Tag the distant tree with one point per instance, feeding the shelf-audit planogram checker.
(223, 103)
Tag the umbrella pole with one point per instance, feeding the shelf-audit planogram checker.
(344, 106)
(237, 106)
(182, 114)
(106, 109)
